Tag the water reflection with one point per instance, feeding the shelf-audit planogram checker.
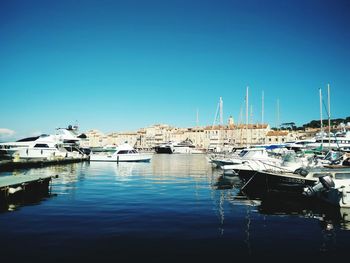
(31, 197)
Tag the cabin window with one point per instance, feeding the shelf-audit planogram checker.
(242, 153)
(317, 175)
(29, 139)
(342, 176)
(41, 145)
(123, 152)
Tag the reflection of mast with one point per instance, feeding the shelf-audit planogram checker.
(221, 211)
(247, 231)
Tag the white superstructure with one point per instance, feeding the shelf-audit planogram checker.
(63, 144)
(124, 153)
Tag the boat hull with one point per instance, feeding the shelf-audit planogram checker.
(121, 158)
(262, 182)
(165, 149)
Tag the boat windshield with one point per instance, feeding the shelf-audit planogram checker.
(243, 153)
(290, 157)
(342, 176)
(29, 139)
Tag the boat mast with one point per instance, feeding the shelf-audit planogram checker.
(329, 118)
(262, 113)
(278, 115)
(221, 111)
(321, 118)
(246, 116)
(216, 114)
(251, 121)
(240, 123)
(197, 119)
(262, 108)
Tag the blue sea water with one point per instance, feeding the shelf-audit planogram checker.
(176, 208)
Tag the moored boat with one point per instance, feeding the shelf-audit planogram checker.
(123, 153)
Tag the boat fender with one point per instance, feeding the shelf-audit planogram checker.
(13, 190)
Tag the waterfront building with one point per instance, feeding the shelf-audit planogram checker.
(215, 138)
(279, 137)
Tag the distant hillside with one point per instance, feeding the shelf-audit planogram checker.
(334, 122)
(312, 124)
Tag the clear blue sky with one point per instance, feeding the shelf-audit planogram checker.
(122, 65)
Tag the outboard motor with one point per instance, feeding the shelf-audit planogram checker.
(325, 183)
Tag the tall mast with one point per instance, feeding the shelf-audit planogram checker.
(262, 108)
(329, 117)
(240, 123)
(246, 115)
(321, 118)
(221, 111)
(216, 114)
(278, 114)
(197, 119)
(251, 121)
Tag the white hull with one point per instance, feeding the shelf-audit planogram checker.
(42, 153)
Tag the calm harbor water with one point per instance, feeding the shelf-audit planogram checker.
(175, 208)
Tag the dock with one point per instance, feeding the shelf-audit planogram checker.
(23, 187)
(10, 165)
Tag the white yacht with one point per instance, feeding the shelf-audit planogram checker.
(65, 143)
(340, 140)
(185, 146)
(123, 153)
(252, 155)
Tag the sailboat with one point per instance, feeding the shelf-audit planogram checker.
(331, 141)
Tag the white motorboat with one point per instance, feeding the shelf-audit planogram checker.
(251, 156)
(123, 153)
(333, 187)
(63, 144)
(185, 146)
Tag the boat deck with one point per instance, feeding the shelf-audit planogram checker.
(25, 164)
(13, 181)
